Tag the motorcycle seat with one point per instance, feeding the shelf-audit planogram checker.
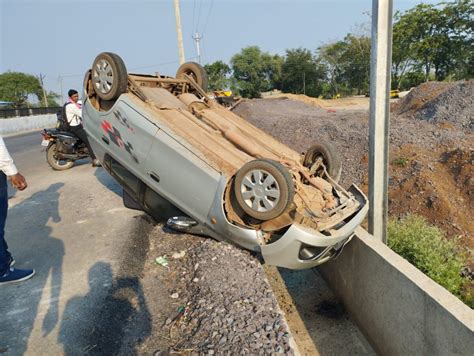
(56, 132)
(66, 133)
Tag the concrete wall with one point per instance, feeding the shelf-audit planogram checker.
(398, 308)
(27, 123)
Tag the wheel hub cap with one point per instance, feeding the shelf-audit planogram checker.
(103, 76)
(260, 190)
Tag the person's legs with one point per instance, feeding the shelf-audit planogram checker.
(81, 133)
(8, 274)
(4, 254)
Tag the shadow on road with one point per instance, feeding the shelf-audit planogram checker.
(94, 326)
(33, 247)
(113, 317)
(107, 181)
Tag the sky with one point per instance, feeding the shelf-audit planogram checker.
(59, 39)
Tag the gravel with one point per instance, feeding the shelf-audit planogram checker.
(230, 306)
(455, 105)
(299, 126)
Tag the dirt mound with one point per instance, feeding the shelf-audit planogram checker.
(439, 102)
(300, 97)
(454, 105)
(431, 165)
(461, 164)
(419, 96)
(437, 185)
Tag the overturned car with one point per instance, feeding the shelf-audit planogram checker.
(182, 157)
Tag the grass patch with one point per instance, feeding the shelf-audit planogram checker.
(425, 246)
(401, 161)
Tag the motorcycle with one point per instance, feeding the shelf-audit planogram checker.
(62, 148)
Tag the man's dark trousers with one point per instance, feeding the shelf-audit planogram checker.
(4, 254)
(81, 133)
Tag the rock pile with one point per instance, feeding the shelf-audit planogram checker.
(230, 308)
(439, 102)
(455, 105)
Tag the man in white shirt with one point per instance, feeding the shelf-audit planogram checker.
(9, 274)
(74, 118)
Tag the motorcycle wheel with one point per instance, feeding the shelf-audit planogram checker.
(56, 163)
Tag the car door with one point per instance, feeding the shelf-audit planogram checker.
(123, 133)
(180, 176)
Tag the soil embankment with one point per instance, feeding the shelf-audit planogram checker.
(431, 154)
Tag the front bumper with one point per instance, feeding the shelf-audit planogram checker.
(302, 247)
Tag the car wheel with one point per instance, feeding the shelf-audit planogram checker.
(109, 76)
(328, 155)
(56, 163)
(195, 71)
(264, 189)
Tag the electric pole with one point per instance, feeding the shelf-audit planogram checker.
(179, 32)
(197, 38)
(60, 81)
(380, 65)
(304, 83)
(45, 99)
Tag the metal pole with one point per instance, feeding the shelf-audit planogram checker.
(45, 98)
(60, 80)
(179, 32)
(304, 83)
(380, 73)
(198, 39)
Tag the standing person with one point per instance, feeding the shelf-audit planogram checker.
(9, 274)
(74, 118)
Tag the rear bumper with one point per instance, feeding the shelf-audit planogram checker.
(302, 247)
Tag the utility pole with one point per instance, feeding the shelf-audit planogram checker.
(60, 81)
(179, 32)
(45, 99)
(197, 38)
(304, 83)
(380, 74)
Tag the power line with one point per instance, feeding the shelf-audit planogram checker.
(199, 15)
(208, 15)
(194, 13)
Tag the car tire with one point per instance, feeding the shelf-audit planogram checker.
(109, 76)
(54, 162)
(195, 71)
(264, 189)
(330, 156)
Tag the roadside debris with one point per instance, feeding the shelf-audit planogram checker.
(178, 255)
(162, 261)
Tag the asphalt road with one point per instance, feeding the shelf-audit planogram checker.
(72, 229)
(91, 293)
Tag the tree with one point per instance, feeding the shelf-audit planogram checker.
(16, 87)
(255, 71)
(331, 57)
(218, 74)
(302, 73)
(460, 21)
(356, 62)
(52, 97)
(434, 38)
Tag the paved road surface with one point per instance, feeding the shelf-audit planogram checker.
(89, 253)
(71, 227)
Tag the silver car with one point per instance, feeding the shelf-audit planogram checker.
(182, 157)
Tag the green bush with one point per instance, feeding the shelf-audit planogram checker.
(426, 248)
(401, 161)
